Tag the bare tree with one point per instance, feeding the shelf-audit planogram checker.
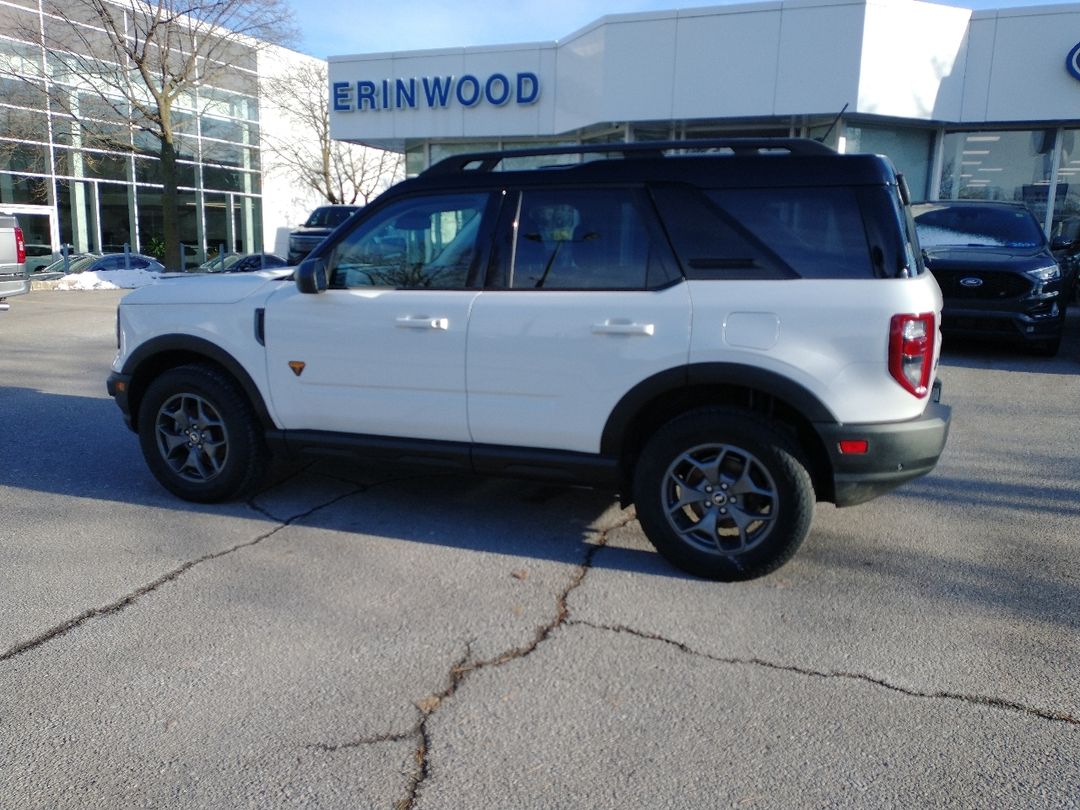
(338, 171)
(124, 69)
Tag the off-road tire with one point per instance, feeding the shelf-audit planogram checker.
(722, 494)
(200, 436)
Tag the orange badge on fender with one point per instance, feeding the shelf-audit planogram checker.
(297, 367)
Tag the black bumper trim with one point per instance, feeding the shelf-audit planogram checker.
(118, 385)
(897, 453)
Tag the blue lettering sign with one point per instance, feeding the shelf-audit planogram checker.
(1072, 63)
(342, 95)
(406, 93)
(437, 91)
(474, 84)
(497, 90)
(365, 93)
(528, 88)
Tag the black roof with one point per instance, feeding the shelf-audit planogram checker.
(733, 162)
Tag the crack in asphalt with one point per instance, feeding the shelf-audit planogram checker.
(979, 700)
(126, 601)
(465, 666)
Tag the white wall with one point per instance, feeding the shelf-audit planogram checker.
(1016, 65)
(896, 58)
(913, 60)
(285, 205)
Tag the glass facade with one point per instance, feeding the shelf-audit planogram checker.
(94, 182)
(1032, 166)
(911, 151)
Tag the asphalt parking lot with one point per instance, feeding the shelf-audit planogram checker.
(385, 639)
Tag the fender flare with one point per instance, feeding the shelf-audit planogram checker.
(734, 375)
(192, 345)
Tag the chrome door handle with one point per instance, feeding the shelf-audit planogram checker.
(624, 328)
(422, 322)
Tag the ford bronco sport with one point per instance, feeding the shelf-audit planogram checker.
(721, 332)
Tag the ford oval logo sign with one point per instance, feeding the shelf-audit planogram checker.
(971, 281)
(1072, 63)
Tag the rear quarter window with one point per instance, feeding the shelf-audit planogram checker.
(817, 232)
(781, 233)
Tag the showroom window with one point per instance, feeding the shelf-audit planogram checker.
(1067, 199)
(1014, 166)
(910, 151)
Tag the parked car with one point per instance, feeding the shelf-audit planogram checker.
(69, 265)
(242, 263)
(318, 226)
(997, 274)
(38, 256)
(116, 261)
(723, 332)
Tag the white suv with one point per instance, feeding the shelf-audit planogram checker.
(722, 337)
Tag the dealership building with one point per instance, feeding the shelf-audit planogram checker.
(968, 104)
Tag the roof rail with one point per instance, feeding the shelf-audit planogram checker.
(489, 161)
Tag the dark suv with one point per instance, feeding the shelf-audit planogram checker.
(318, 226)
(995, 269)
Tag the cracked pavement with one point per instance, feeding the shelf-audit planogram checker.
(361, 637)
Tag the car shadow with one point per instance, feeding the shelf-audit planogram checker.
(79, 447)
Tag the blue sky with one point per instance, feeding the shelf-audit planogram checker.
(341, 27)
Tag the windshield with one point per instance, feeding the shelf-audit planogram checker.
(329, 217)
(80, 264)
(942, 225)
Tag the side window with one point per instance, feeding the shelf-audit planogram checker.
(579, 239)
(417, 243)
(818, 232)
(711, 243)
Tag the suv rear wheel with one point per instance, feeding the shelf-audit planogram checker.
(200, 436)
(722, 494)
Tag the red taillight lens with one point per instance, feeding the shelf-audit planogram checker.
(854, 447)
(20, 246)
(911, 351)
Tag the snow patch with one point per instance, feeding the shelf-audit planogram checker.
(106, 280)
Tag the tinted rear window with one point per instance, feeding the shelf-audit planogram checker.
(818, 232)
(833, 232)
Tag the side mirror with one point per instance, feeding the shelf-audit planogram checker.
(310, 276)
(1060, 243)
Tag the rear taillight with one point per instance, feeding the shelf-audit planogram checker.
(20, 246)
(911, 351)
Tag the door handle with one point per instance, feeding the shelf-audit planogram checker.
(624, 328)
(422, 322)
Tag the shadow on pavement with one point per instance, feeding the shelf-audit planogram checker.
(79, 447)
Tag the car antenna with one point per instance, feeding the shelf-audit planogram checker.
(836, 120)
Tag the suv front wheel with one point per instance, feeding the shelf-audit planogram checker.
(722, 494)
(200, 436)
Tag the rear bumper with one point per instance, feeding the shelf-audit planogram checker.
(14, 285)
(896, 453)
(1034, 321)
